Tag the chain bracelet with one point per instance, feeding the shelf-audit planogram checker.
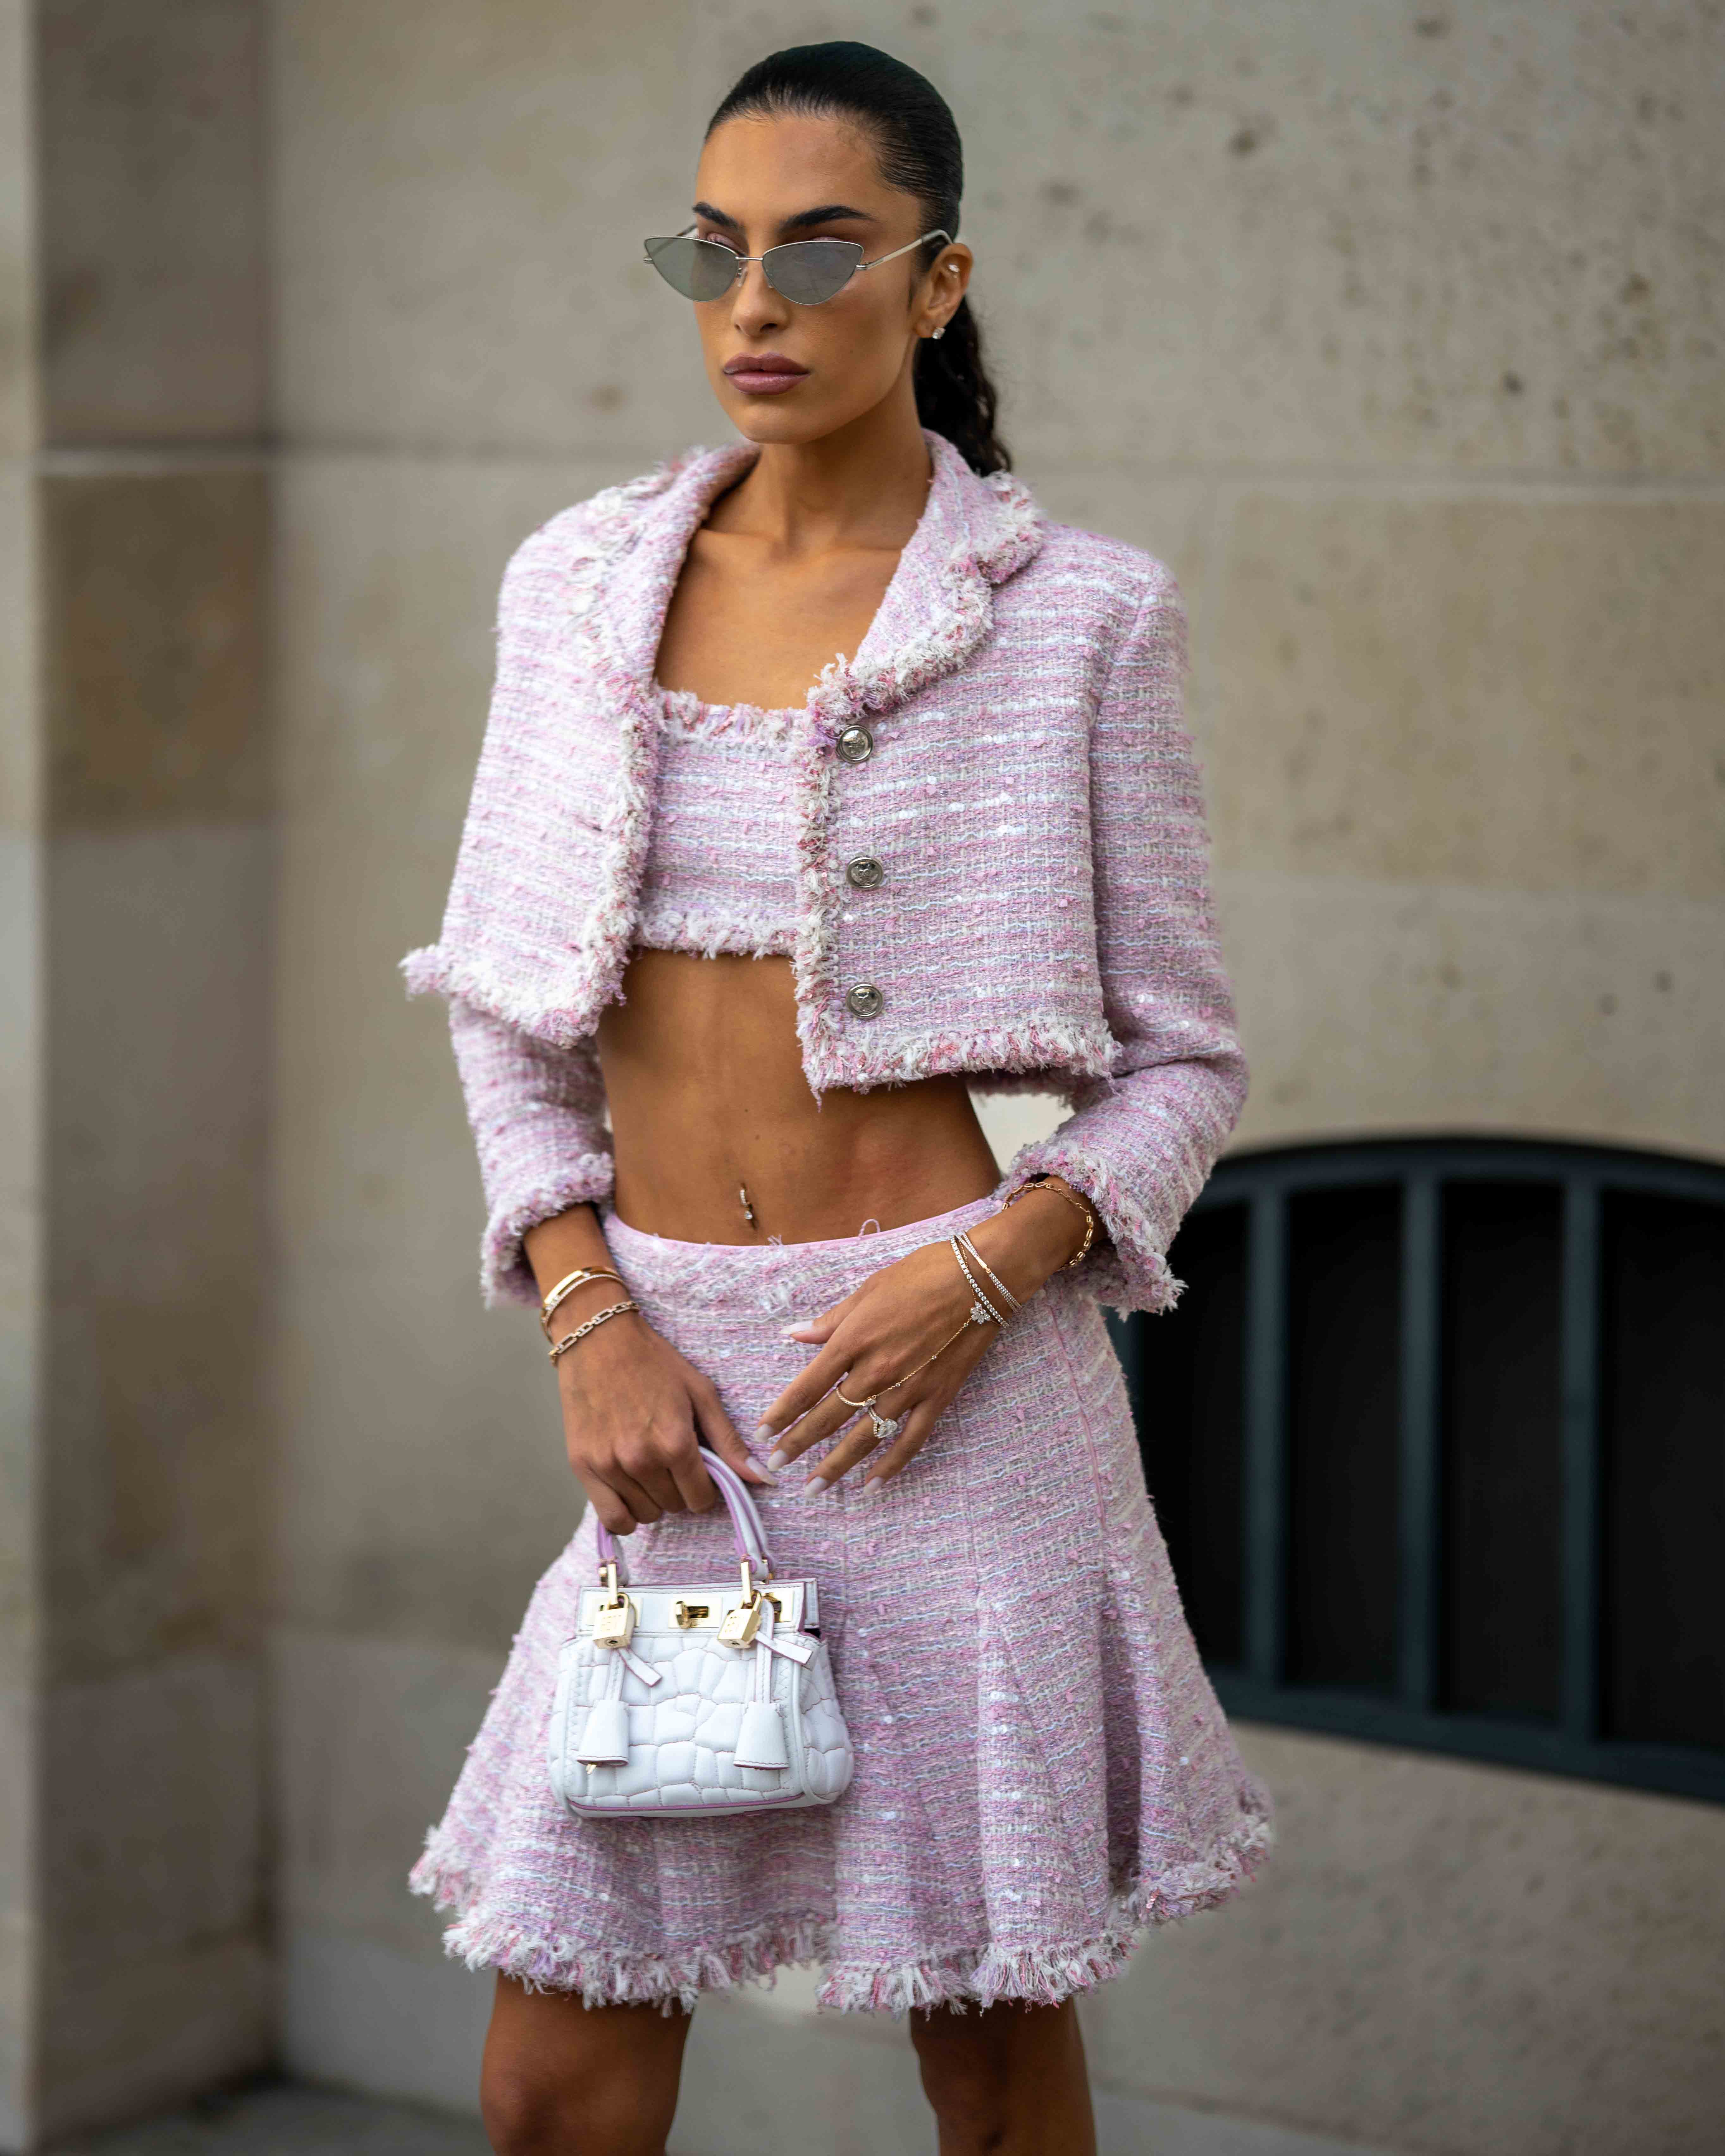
(1054, 1190)
(599, 1317)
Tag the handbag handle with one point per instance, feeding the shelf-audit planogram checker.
(746, 1532)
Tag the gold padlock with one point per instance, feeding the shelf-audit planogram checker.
(613, 1622)
(741, 1622)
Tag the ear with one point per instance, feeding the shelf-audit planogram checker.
(943, 288)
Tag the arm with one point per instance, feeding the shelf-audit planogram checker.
(538, 1119)
(1141, 1143)
(913, 1317)
(635, 1410)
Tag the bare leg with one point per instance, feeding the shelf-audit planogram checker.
(1009, 2081)
(561, 2079)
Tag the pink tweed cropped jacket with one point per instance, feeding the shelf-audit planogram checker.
(1008, 739)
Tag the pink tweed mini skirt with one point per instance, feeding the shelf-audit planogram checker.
(1042, 1769)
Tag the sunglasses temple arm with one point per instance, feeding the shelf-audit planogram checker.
(922, 240)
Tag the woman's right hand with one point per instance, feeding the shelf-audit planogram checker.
(634, 1414)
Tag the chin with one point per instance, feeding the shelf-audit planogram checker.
(770, 419)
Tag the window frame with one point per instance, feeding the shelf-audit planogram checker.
(1265, 1181)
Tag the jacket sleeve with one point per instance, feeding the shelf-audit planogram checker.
(538, 1119)
(1141, 1143)
(537, 1110)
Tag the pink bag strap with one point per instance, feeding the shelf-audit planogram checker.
(748, 1533)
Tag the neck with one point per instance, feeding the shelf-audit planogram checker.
(862, 485)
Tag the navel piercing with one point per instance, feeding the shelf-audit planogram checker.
(748, 1210)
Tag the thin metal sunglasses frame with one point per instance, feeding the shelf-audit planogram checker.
(785, 247)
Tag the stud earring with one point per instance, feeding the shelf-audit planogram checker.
(939, 333)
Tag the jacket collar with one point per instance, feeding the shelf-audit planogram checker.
(973, 534)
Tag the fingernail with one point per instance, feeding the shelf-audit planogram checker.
(874, 1485)
(813, 1486)
(768, 1481)
(779, 1457)
(763, 1430)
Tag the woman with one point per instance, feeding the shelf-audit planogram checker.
(777, 931)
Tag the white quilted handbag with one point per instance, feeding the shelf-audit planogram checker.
(674, 1700)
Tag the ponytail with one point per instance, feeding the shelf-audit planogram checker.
(916, 138)
(955, 396)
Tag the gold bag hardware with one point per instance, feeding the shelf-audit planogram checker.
(688, 1613)
(742, 1622)
(613, 1622)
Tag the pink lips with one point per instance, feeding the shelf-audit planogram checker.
(764, 374)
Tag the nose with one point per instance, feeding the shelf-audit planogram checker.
(757, 308)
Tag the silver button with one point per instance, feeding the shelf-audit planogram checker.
(855, 745)
(866, 1001)
(867, 872)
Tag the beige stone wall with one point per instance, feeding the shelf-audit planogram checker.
(1397, 329)
(1394, 325)
(136, 867)
(20, 1091)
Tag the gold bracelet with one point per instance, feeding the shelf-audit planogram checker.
(1054, 1190)
(592, 1325)
(557, 1296)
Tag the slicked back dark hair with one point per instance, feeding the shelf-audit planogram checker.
(917, 141)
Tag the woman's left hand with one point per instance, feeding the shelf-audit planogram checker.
(906, 1339)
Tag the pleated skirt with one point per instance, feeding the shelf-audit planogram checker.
(1042, 1768)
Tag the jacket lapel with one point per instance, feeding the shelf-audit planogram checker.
(973, 534)
(633, 593)
(938, 608)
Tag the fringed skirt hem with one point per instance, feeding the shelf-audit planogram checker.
(959, 1979)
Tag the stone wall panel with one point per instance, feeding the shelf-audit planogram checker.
(1444, 1956)
(1373, 1009)
(154, 587)
(1356, 234)
(1526, 693)
(151, 271)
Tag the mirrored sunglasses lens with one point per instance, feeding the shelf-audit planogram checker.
(807, 271)
(698, 269)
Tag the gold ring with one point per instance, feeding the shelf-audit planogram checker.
(857, 1404)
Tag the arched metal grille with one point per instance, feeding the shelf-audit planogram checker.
(1436, 1434)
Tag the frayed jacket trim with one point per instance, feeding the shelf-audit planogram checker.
(613, 525)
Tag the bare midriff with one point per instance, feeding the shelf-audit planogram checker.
(704, 1074)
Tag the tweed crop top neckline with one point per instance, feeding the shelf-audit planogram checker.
(720, 873)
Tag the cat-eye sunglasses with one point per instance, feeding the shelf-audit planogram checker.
(805, 271)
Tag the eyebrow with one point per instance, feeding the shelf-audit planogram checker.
(827, 213)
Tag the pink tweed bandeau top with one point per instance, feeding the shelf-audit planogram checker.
(721, 872)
